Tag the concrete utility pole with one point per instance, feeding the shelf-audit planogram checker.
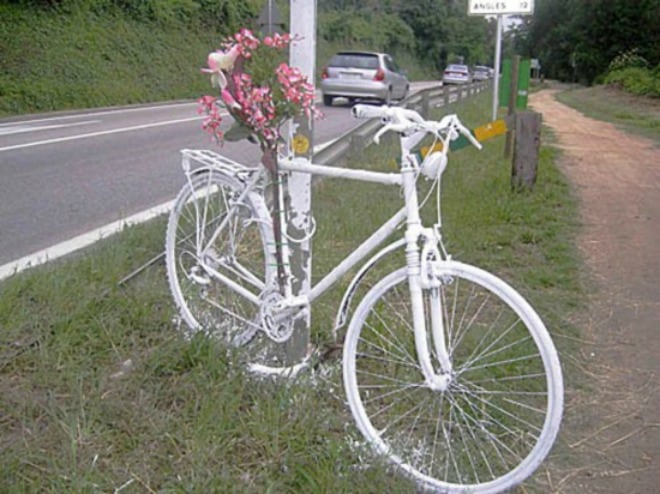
(303, 56)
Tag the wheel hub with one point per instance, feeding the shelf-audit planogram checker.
(440, 382)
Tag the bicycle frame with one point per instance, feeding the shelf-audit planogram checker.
(407, 178)
(377, 238)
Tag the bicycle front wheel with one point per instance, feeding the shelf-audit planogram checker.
(499, 415)
(218, 262)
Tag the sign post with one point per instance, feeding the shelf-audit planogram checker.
(303, 56)
(498, 58)
(499, 8)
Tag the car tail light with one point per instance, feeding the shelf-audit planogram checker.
(324, 73)
(380, 75)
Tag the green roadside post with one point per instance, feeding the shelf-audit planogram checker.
(512, 69)
(521, 76)
(524, 71)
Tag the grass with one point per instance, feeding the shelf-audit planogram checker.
(99, 393)
(62, 60)
(636, 114)
(74, 57)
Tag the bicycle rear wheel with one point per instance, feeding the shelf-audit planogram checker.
(499, 416)
(219, 264)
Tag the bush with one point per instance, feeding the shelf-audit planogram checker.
(628, 59)
(636, 80)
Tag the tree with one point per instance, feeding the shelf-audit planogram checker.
(577, 39)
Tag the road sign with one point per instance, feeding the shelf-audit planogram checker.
(500, 7)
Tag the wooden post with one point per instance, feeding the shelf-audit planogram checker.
(513, 94)
(526, 153)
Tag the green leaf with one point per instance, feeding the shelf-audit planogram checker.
(237, 132)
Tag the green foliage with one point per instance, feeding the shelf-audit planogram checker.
(351, 28)
(444, 32)
(160, 11)
(81, 58)
(636, 80)
(576, 40)
(631, 58)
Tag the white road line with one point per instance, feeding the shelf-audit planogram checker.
(27, 127)
(89, 238)
(95, 113)
(100, 133)
(84, 240)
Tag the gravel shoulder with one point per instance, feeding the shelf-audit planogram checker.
(612, 425)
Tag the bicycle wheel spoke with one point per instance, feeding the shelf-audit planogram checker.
(510, 415)
(403, 356)
(490, 419)
(218, 263)
(493, 439)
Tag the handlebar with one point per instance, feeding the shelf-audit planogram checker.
(407, 121)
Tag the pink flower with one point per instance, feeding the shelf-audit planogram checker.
(218, 62)
(229, 99)
(255, 88)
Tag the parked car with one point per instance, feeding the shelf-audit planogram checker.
(456, 74)
(363, 75)
(481, 73)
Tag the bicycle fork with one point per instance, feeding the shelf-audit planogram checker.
(421, 277)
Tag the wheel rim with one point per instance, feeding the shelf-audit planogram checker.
(500, 415)
(237, 251)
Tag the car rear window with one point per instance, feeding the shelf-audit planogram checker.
(353, 60)
(457, 68)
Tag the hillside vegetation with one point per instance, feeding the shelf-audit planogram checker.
(65, 54)
(55, 59)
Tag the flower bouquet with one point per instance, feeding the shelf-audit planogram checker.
(258, 89)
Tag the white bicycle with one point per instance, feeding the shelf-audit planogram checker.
(450, 374)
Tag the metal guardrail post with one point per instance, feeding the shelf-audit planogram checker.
(360, 137)
(425, 105)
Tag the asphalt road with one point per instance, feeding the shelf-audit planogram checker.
(62, 175)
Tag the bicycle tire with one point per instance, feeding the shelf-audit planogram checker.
(240, 251)
(499, 417)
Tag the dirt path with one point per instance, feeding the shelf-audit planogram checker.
(612, 429)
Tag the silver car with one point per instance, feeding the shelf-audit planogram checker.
(481, 73)
(363, 75)
(456, 74)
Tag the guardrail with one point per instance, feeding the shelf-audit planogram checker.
(421, 101)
